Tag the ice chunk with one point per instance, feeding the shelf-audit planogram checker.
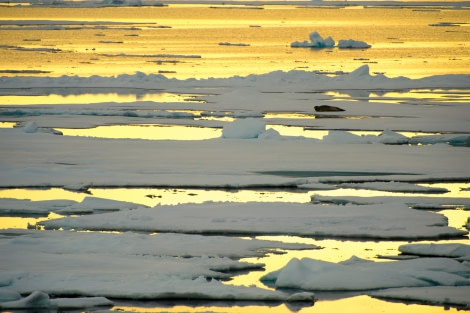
(316, 41)
(354, 44)
(244, 129)
(36, 299)
(30, 127)
(391, 137)
(41, 300)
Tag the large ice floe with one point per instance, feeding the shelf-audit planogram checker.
(377, 221)
(100, 249)
(129, 265)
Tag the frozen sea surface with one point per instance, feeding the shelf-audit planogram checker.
(296, 186)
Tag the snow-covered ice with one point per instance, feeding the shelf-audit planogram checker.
(41, 300)
(359, 274)
(378, 221)
(128, 265)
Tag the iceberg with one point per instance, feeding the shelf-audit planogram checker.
(316, 41)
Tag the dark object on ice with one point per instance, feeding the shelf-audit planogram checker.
(327, 108)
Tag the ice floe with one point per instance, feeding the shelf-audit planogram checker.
(128, 265)
(379, 221)
(450, 250)
(394, 187)
(353, 44)
(359, 274)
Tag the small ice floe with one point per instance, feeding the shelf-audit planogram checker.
(316, 41)
(359, 274)
(29, 208)
(394, 187)
(451, 250)
(453, 24)
(234, 44)
(41, 300)
(353, 44)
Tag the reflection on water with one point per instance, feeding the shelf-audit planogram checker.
(353, 304)
(149, 132)
(88, 98)
(160, 39)
(7, 124)
(419, 96)
(188, 132)
(11, 222)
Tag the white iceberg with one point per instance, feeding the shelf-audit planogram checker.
(316, 41)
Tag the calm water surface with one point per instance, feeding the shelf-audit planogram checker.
(184, 40)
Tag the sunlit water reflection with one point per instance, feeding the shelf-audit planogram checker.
(183, 40)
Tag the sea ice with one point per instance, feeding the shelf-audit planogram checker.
(393, 220)
(450, 250)
(436, 295)
(316, 41)
(359, 274)
(244, 129)
(353, 44)
(41, 300)
(132, 266)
